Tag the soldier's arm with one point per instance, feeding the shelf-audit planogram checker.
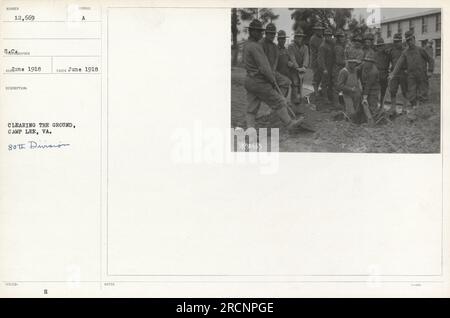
(429, 60)
(263, 63)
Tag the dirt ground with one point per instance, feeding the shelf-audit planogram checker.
(405, 134)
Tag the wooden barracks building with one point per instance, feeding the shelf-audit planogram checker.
(426, 26)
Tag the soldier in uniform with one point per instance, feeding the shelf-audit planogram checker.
(326, 61)
(419, 65)
(299, 56)
(260, 82)
(284, 59)
(273, 55)
(382, 63)
(355, 50)
(370, 81)
(348, 83)
(368, 44)
(339, 57)
(399, 79)
(314, 44)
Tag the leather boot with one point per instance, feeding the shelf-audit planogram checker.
(289, 123)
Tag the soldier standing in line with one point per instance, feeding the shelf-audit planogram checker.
(272, 52)
(370, 81)
(284, 59)
(260, 82)
(326, 61)
(339, 56)
(299, 56)
(416, 60)
(399, 79)
(355, 50)
(382, 63)
(368, 44)
(314, 44)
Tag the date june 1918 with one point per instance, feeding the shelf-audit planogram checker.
(36, 145)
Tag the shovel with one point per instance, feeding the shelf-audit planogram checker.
(304, 124)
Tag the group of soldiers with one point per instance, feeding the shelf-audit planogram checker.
(358, 69)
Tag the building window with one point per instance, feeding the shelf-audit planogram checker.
(438, 23)
(399, 27)
(411, 25)
(424, 25)
(389, 30)
(437, 47)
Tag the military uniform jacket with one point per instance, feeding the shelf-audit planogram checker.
(272, 52)
(256, 62)
(314, 44)
(326, 56)
(415, 59)
(299, 55)
(382, 61)
(283, 60)
(339, 52)
(370, 80)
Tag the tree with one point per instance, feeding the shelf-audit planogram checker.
(358, 27)
(334, 18)
(247, 14)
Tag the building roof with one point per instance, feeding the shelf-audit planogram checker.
(412, 15)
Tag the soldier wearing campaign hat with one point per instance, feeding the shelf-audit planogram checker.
(326, 61)
(298, 51)
(371, 86)
(261, 83)
(355, 50)
(314, 44)
(284, 59)
(382, 63)
(339, 57)
(368, 39)
(273, 54)
(419, 66)
(399, 80)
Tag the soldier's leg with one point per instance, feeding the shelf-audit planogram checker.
(383, 88)
(253, 104)
(349, 106)
(373, 99)
(283, 82)
(317, 78)
(295, 88)
(393, 89)
(422, 90)
(412, 84)
(335, 97)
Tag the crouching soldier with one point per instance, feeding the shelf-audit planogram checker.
(299, 56)
(370, 80)
(273, 54)
(260, 82)
(348, 83)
